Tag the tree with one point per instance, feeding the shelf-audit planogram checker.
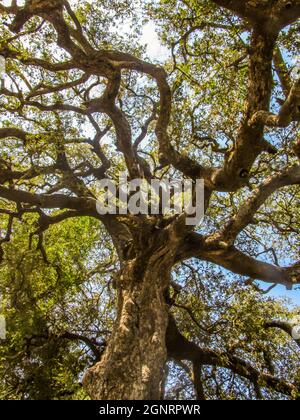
(224, 108)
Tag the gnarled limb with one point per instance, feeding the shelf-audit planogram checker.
(147, 249)
(180, 348)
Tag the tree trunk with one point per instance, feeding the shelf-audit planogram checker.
(132, 367)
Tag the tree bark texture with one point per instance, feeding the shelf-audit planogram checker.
(132, 367)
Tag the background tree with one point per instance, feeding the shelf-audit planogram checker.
(125, 294)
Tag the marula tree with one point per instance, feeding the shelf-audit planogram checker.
(80, 103)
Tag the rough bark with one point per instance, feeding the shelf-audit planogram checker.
(133, 364)
(250, 141)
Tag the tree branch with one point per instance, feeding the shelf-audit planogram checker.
(246, 213)
(232, 259)
(284, 326)
(180, 348)
(290, 111)
(282, 72)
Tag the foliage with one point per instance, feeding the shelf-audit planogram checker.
(70, 98)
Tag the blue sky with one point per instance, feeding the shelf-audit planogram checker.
(280, 291)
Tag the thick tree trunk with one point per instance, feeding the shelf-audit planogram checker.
(133, 364)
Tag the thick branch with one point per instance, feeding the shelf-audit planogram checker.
(195, 246)
(268, 16)
(283, 326)
(12, 132)
(180, 348)
(290, 111)
(245, 215)
(250, 139)
(55, 201)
